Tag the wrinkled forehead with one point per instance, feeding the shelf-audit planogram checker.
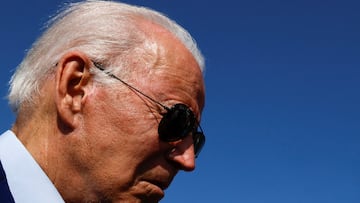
(173, 71)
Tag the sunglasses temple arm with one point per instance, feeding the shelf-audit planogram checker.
(99, 66)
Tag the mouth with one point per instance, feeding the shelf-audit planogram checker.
(161, 185)
(153, 186)
(151, 190)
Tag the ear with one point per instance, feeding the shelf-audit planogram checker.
(72, 78)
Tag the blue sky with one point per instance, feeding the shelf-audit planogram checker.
(282, 114)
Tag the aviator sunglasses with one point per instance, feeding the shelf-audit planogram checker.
(177, 123)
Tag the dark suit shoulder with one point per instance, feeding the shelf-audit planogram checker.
(5, 194)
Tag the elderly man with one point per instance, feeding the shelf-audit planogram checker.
(108, 103)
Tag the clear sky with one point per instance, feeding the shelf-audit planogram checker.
(282, 115)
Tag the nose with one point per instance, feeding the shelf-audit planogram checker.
(183, 154)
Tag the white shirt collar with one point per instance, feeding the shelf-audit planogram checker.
(26, 180)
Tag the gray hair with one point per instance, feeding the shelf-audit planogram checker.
(100, 29)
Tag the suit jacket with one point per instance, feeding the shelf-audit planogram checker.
(5, 194)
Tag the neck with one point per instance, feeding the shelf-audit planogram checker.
(36, 132)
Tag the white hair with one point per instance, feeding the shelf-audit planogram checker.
(101, 29)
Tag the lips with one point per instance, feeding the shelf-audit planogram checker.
(150, 190)
(155, 182)
(161, 184)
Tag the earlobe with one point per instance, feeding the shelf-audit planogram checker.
(72, 78)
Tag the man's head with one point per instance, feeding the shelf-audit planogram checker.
(92, 92)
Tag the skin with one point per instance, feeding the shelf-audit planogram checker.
(100, 144)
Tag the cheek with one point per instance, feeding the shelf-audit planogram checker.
(119, 131)
(118, 141)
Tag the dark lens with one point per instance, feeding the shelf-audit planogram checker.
(176, 123)
(199, 141)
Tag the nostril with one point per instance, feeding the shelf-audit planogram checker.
(182, 158)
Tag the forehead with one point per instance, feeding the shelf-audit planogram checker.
(173, 72)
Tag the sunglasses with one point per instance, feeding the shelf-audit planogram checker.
(177, 122)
